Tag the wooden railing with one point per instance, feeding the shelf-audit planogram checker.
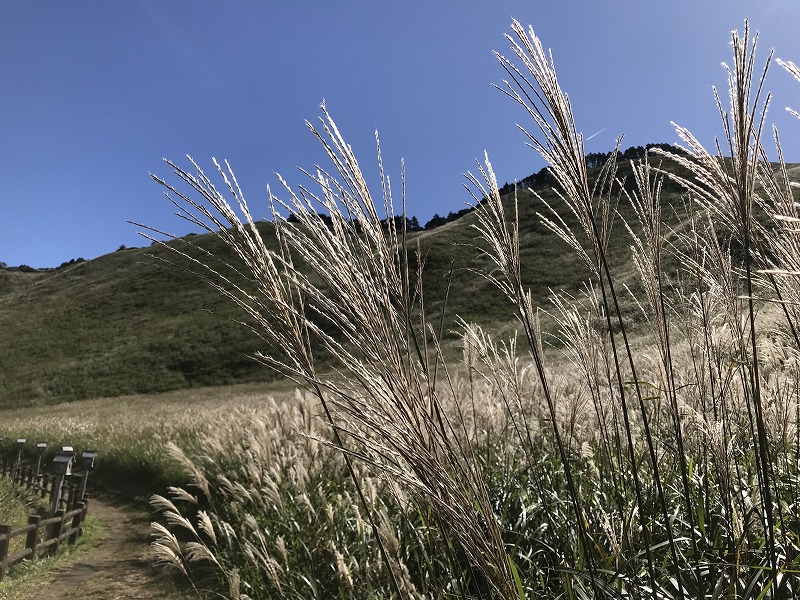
(43, 535)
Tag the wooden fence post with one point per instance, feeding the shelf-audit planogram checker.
(58, 529)
(40, 448)
(20, 446)
(77, 522)
(62, 465)
(71, 497)
(85, 510)
(66, 495)
(32, 541)
(85, 506)
(55, 493)
(5, 530)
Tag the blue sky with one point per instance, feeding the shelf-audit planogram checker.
(94, 94)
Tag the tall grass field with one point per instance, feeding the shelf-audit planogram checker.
(633, 437)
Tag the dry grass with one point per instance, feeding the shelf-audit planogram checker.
(667, 469)
(131, 432)
(661, 466)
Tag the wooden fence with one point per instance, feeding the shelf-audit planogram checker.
(68, 509)
(41, 535)
(44, 484)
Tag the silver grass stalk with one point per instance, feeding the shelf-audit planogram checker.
(726, 186)
(383, 397)
(557, 140)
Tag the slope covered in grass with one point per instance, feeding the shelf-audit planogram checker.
(125, 323)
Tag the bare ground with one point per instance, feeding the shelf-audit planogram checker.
(116, 567)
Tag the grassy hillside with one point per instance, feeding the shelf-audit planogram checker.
(123, 324)
(114, 325)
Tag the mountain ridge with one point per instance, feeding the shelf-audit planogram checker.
(122, 324)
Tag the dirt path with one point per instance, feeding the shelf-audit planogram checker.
(116, 567)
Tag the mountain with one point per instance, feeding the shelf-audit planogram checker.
(123, 323)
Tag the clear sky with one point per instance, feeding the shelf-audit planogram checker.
(94, 94)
